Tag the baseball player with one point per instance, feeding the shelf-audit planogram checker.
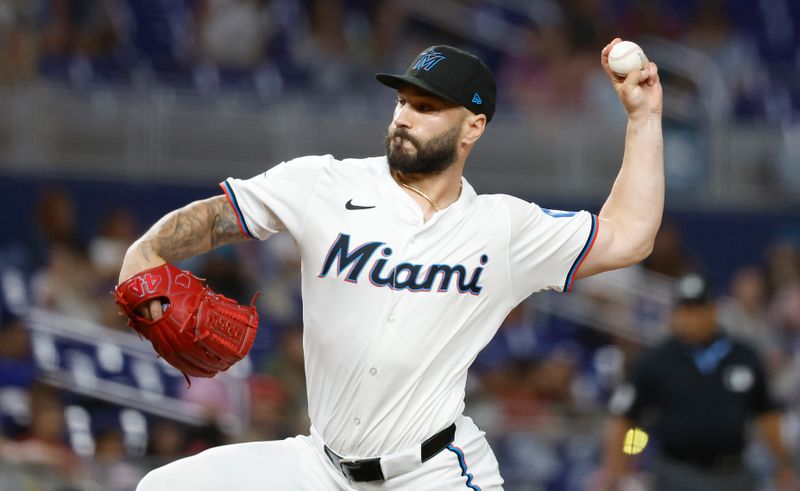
(406, 275)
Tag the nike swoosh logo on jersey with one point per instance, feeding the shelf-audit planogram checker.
(350, 206)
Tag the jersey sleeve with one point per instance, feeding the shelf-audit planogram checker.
(278, 199)
(546, 247)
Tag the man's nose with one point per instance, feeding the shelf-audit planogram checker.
(402, 116)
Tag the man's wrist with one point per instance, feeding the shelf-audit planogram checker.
(644, 117)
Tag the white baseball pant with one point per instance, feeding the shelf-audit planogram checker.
(300, 464)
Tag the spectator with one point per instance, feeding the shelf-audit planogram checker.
(287, 369)
(783, 265)
(783, 262)
(744, 314)
(116, 232)
(389, 46)
(268, 411)
(16, 364)
(326, 55)
(111, 466)
(68, 284)
(223, 274)
(233, 34)
(166, 442)
(669, 256)
(56, 223)
(81, 27)
(19, 41)
(44, 443)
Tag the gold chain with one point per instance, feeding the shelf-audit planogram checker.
(412, 188)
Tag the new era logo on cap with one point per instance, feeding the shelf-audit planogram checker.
(452, 74)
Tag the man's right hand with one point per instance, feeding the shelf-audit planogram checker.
(134, 262)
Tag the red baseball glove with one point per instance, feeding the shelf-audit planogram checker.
(201, 332)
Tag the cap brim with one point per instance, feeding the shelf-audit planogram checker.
(395, 81)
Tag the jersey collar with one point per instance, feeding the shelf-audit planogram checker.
(411, 211)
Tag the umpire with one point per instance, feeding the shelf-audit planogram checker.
(696, 392)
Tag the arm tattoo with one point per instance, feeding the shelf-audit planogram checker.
(226, 228)
(194, 229)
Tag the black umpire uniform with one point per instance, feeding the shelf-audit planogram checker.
(696, 393)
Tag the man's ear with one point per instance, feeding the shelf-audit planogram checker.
(474, 124)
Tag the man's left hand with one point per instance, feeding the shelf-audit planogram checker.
(640, 91)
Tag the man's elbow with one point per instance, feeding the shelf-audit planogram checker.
(643, 251)
(634, 253)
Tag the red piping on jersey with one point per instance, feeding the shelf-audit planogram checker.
(591, 244)
(235, 211)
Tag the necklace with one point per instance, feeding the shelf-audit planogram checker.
(396, 176)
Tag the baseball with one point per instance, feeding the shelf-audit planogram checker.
(626, 57)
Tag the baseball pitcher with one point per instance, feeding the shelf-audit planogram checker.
(406, 275)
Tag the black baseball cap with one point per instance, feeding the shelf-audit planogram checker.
(452, 74)
(693, 289)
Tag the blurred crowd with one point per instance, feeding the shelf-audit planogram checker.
(543, 52)
(89, 442)
(539, 388)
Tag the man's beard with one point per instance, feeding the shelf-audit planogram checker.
(433, 157)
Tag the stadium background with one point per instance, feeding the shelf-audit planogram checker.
(117, 111)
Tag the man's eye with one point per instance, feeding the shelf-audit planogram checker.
(401, 102)
(424, 108)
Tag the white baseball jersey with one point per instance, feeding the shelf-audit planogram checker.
(395, 308)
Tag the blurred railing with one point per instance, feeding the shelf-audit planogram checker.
(633, 304)
(165, 135)
(120, 368)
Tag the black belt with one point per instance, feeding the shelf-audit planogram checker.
(364, 470)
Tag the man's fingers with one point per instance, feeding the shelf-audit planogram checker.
(607, 49)
(647, 75)
(155, 309)
(604, 60)
(151, 311)
(636, 77)
(144, 311)
(653, 79)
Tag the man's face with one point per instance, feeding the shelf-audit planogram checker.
(695, 324)
(425, 134)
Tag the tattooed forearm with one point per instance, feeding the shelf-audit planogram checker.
(226, 229)
(194, 229)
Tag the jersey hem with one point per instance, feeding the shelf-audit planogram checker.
(228, 190)
(582, 256)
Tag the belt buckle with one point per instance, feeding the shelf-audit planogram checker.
(347, 461)
(344, 466)
(362, 470)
